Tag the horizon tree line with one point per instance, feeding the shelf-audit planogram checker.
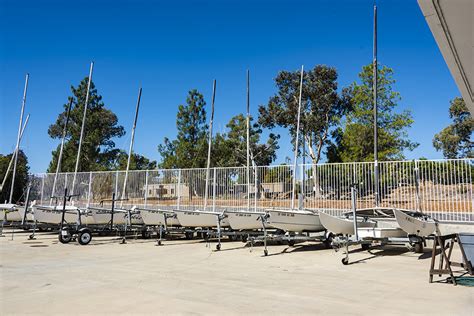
(335, 123)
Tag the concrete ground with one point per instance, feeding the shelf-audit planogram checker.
(186, 277)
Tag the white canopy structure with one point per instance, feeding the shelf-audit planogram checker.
(451, 22)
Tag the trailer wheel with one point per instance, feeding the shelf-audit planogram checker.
(418, 247)
(365, 246)
(146, 234)
(189, 235)
(84, 237)
(265, 252)
(328, 241)
(66, 238)
(218, 247)
(345, 261)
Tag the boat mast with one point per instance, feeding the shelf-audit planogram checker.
(375, 74)
(60, 157)
(248, 140)
(14, 154)
(131, 145)
(297, 141)
(82, 128)
(17, 148)
(206, 193)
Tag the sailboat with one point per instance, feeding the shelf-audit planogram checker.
(295, 220)
(120, 215)
(204, 218)
(367, 223)
(12, 212)
(52, 214)
(247, 219)
(415, 223)
(158, 217)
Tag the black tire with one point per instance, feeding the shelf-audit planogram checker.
(328, 241)
(146, 234)
(418, 247)
(159, 242)
(189, 235)
(291, 243)
(244, 238)
(265, 252)
(365, 246)
(218, 247)
(345, 261)
(64, 239)
(84, 237)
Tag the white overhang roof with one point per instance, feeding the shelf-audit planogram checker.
(451, 22)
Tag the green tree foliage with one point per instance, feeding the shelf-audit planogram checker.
(230, 149)
(354, 141)
(21, 178)
(189, 149)
(137, 162)
(455, 140)
(98, 147)
(322, 106)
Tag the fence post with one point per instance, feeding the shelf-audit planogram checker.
(302, 192)
(116, 183)
(42, 186)
(145, 196)
(417, 186)
(179, 190)
(214, 191)
(256, 187)
(90, 190)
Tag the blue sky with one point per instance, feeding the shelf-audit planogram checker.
(170, 47)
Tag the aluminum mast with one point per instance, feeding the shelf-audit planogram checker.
(17, 148)
(297, 141)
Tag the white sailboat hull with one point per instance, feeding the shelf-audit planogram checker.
(14, 213)
(12, 216)
(414, 225)
(9, 212)
(104, 216)
(200, 219)
(245, 220)
(379, 232)
(136, 218)
(295, 221)
(339, 225)
(157, 217)
(53, 215)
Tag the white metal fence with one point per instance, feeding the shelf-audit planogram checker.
(441, 188)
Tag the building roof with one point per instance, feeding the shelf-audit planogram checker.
(451, 22)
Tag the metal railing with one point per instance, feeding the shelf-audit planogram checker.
(441, 188)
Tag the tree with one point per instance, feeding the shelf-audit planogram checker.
(321, 109)
(137, 162)
(322, 106)
(21, 177)
(455, 140)
(230, 149)
(98, 148)
(189, 149)
(354, 141)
